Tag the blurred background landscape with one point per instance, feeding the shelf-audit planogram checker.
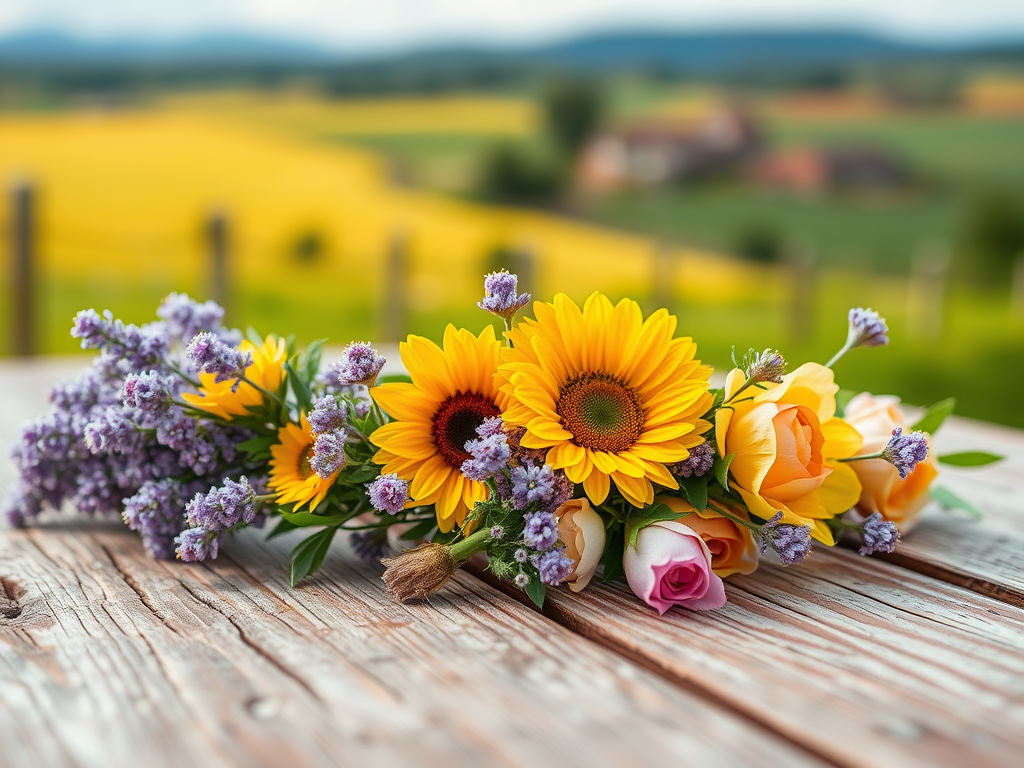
(338, 172)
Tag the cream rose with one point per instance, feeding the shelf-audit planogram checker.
(882, 490)
(581, 530)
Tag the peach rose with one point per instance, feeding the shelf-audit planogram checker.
(882, 491)
(732, 547)
(581, 530)
(785, 440)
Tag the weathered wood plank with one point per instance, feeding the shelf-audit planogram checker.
(108, 658)
(865, 662)
(981, 555)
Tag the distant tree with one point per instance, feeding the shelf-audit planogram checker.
(572, 110)
(759, 242)
(512, 174)
(308, 247)
(993, 233)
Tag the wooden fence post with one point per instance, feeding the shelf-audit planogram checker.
(927, 295)
(394, 309)
(218, 244)
(663, 277)
(22, 295)
(801, 258)
(522, 261)
(1017, 299)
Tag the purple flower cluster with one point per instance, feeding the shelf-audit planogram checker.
(135, 348)
(359, 364)
(698, 463)
(186, 319)
(791, 542)
(767, 366)
(369, 545)
(328, 414)
(867, 329)
(554, 567)
(327, 421)
(489, 453)
(540, 485)
(211, 355)
(150, 392)
(230, 507)
(878, 535)
(388, 493)
(155, 512)
(197, 544)
(501, 297)
(905, 452)
(540, 531)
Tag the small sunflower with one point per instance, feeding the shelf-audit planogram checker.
(267, 370)
(610, 396)
(291, 474)
(451, 393)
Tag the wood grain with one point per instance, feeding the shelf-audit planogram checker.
(862, 661)
(108, 658)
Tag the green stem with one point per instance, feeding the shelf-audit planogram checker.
(465, 549)
(838, 355)
(266, 392)
(267, 497)
(738, 520)
(877, 455)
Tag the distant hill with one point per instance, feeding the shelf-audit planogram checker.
(701, 52)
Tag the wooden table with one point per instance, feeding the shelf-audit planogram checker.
(108, 658)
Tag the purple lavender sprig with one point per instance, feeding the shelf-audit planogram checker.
(866, 328)
(906, 451)
(791, 542)
(328, 415)
(388, 493)
(329, 453)
(878, 535)
(698, 463)
(211, 355)
(360, 364)
(489, 453)
(501, 295)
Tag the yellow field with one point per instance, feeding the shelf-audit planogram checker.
(123, 199)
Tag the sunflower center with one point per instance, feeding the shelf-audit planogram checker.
(601, 411)
(303, 466)
(455, 423)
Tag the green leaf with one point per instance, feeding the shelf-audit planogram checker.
(363, 474)
(309, 555)
(970, 459)
(305, 519)
(303, 396)
(720, 470)
(419, 531)
(946, 499)
(641, 518)
(843, 398)
(696, 490)
(253, 336)
(536, 590)
(283, 526)
(257, 444)
(311, 359)
(934, 415)
(612, 557)
(392, 378)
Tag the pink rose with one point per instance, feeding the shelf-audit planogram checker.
(671, 565)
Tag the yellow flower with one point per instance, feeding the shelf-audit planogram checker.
(608, 395)
(267, 370)
(785, 441)
(291, 475)
(451, 393)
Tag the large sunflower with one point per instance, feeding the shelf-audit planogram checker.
(267, 370)
(610, 396)
(291, 475)
(451, 393)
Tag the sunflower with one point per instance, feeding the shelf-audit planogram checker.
(608, 395)
(451, 393)
(291, 475)
(267, 370)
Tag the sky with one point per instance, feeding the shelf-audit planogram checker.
(399, 24)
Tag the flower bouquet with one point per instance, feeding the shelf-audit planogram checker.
(584, 439)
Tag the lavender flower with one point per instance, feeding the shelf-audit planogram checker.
(388, 493)
(501, 298)
(360, 364)
(327, 415)
(554, 567)
(113, 432)
(489, 456)
(521, 555)
(878, 535)
(905, 452)
(522, 580)
(197, 544)
(766, 366)
(156, 512)
(186, 318)
(329, 453)
(134, 348)
(539, 531)
(867, 329)
(150, 392)
(497, 532)
(791, 542)
(211, 355)
(698, 463)
(228, 506)
(369, 545)
(532, 484)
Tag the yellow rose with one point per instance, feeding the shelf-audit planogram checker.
(733, 549)
(581, 529)
(785, 441)
(882, 491)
